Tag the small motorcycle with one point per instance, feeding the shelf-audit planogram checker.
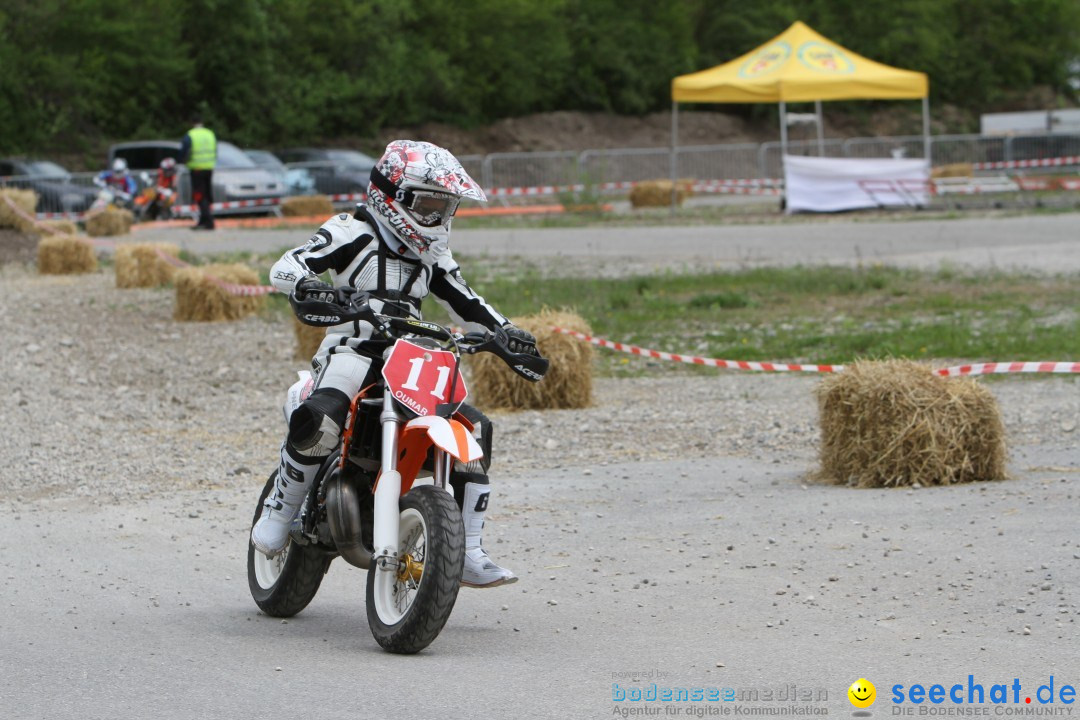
(153, 202)
(370, 503)
(110, 195)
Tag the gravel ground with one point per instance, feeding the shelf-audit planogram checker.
(666, 534)
(112, 399)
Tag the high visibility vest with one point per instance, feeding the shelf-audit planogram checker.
(203, 149)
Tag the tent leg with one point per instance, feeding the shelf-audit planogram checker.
(674, 151)
(926, 129)
(820, 130)
(783, 128)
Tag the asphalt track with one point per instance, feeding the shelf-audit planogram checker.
(1041, 242)
(726, 573)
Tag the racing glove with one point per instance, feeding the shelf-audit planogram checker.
(312, 288)
(520, 341)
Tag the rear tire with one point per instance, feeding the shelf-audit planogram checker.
(406, 615)
(283, 585)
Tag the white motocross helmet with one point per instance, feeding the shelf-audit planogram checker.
(416, 188)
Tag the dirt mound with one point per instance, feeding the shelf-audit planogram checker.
(584, 131)
(15, 247)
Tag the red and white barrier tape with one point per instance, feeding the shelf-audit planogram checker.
(1040, 162)
(36, 222)
(1010, 367)
(959, 370)
(694, 360)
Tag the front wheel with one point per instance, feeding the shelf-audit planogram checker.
(408, 605)
(284, 584)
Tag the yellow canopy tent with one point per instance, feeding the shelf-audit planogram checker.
(798, 65)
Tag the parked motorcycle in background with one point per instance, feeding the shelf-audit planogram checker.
(371, 503)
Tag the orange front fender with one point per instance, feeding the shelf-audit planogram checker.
(420, 434)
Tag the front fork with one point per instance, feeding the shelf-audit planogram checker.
(388, 489)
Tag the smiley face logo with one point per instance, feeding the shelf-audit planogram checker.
(862, 693)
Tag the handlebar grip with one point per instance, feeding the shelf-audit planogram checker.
(418, 327)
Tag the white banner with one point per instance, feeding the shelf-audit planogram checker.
(819, 184)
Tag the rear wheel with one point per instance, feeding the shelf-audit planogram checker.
(284, 584)
(408, 605)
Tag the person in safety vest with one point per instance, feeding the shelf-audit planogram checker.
(198, 150)
(397, 247)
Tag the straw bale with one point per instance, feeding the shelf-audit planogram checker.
(895, 422)
(58, 227)
(25, 200)
(109, 222)
(953, 170)
(307, 206)
(200, 299)
(140, 264)
(657, 193)
(308, 339)
(65, 255)
(568, 383)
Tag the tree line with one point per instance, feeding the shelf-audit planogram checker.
(74, 73)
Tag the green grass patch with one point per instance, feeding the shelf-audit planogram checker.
(815, 314)
(818, 315)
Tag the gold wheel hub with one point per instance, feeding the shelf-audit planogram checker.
(410, 569)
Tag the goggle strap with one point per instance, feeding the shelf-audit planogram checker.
(383, 183)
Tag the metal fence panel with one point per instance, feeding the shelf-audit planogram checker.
(73, 193)
(718, 162)
(771, 155)
(508, 170)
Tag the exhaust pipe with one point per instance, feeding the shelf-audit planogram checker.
(343, 516)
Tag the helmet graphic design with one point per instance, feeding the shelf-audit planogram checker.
(416, 188)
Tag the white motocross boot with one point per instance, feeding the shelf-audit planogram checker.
(480, 571)
(271, 533)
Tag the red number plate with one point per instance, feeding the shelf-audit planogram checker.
(420, 378)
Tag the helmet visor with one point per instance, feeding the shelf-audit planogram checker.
(430, 208)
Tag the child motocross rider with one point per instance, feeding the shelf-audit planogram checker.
(397, 248)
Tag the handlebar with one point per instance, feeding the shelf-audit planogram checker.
(357, 306)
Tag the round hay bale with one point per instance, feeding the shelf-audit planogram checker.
(657, 193)
(308, 339)
(58, 227)
(109, 222)
(896, 422)
(568, 383)
(307, 206)
(140, 265)
(65, 255)
(200, 297)
(25, 201)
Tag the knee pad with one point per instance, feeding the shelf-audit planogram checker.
(315, 427)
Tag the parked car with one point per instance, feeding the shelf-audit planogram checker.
(56, 189)
(236, 176)
(336, 171)
(298, 181)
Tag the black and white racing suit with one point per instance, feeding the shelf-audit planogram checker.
(356, 251)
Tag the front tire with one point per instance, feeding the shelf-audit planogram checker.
(283, 585)
(407, 607)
